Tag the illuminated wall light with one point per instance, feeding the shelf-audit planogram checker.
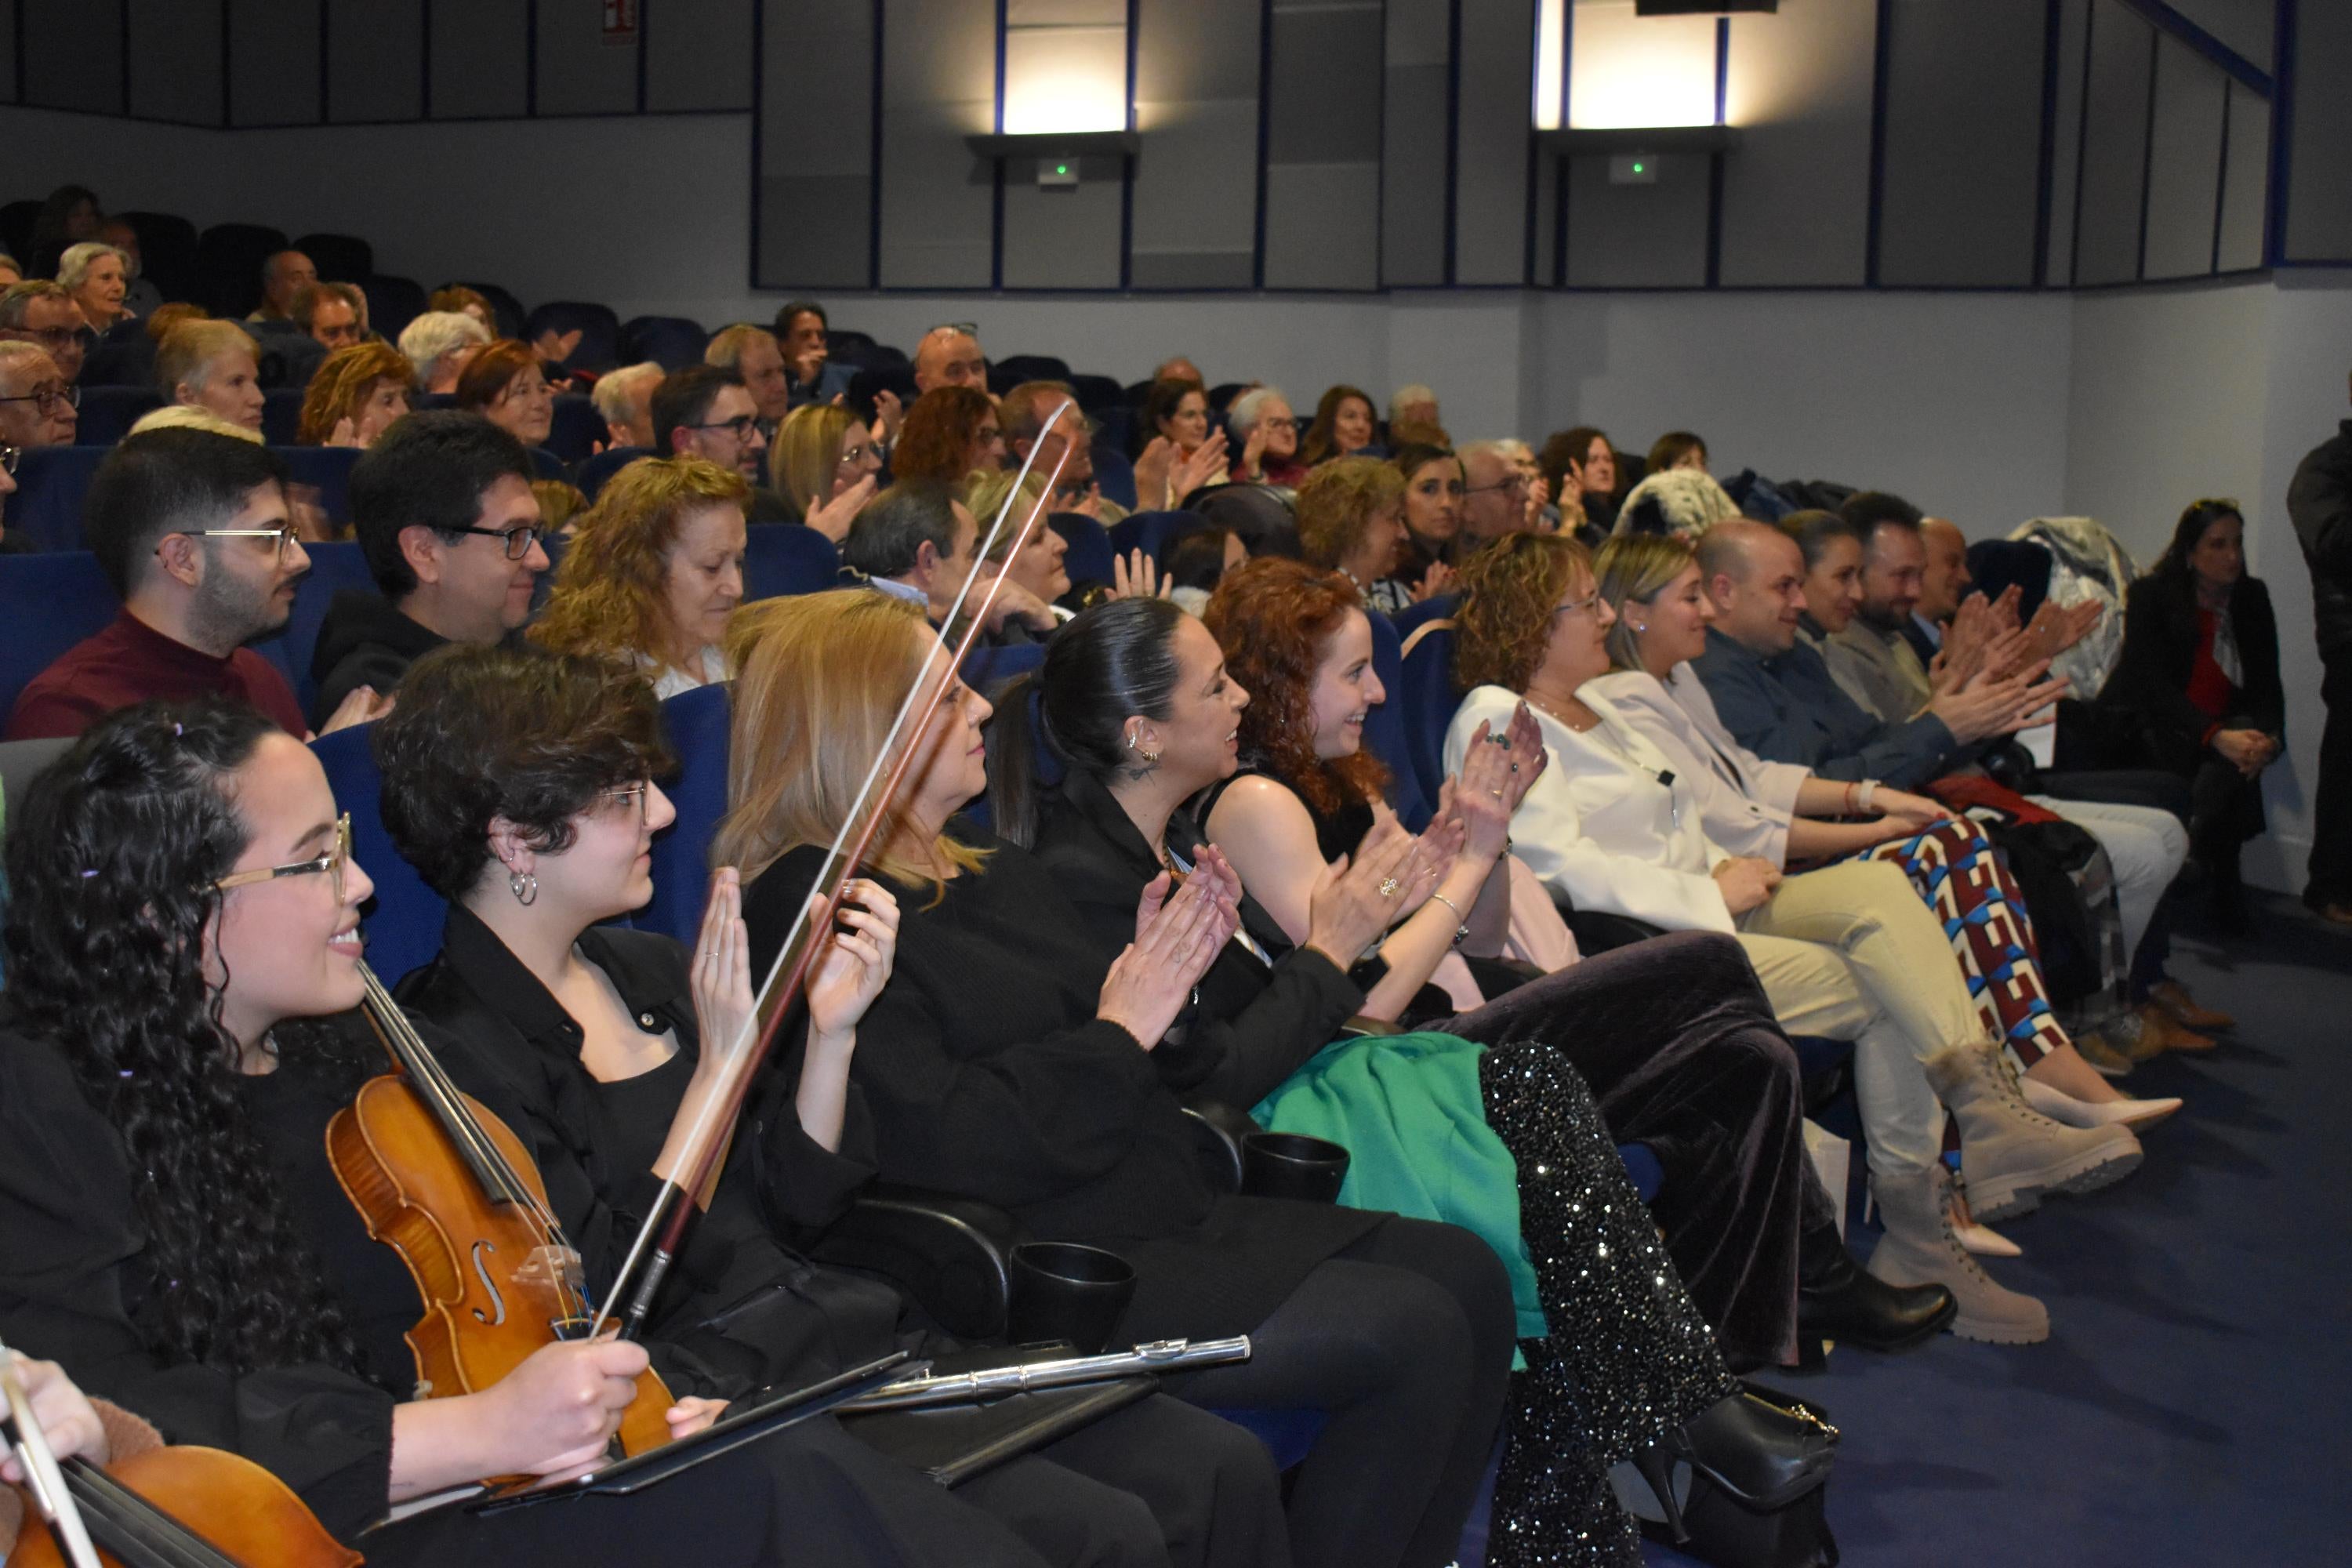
(1638, 71)
(1061, 78)
(1552, 28)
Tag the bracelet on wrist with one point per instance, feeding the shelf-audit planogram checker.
(1461, 929)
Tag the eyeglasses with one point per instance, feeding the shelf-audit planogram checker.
(969, 329)
(627, 796)
(54, 337)
(518, 540)
(1578, 606)
(332, 863)
(742, 425)
(49, 397)
(1515, 482)
(283, 533)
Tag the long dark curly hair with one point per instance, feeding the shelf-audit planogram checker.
(111, 857)
(1273, 619)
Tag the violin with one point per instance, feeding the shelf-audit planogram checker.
(168, 1507)
(440, 1179)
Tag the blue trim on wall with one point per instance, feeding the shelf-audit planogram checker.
(1453, 132)
(424, 60)
(2046, 155)
(1264, 133)
(2165, 19)
(1715, 159)
(1127, 160)
(2222, 175)
(996, 165)
(2082, 139)
(2283, 61)
(2148, 150)
(645, 41)
(874, 184)
(759, 121)
(1879, 50)
(531, 58)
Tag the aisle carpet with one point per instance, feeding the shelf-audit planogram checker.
(2191, 1406)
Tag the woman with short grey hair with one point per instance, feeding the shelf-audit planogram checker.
(1262, 422)
(97, 276)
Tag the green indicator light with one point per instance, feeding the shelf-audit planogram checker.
(1638, 167)
(1061, 168)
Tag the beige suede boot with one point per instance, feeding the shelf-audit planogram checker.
(2010, 1154)
(1919, 1248)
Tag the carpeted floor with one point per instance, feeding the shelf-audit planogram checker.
(2193, 1405)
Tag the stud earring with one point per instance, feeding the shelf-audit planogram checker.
(524, 887)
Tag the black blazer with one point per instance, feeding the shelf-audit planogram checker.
(2147, 695)
(1255, 1024)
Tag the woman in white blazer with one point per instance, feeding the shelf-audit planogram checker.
(1614, 823)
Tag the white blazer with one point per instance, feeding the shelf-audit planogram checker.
(1614, 822)
(1747, 802)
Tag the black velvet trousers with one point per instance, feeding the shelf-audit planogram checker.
(1678, 1044)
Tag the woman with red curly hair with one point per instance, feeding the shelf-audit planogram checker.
(950, 431)
(654, 570)
(355, 393)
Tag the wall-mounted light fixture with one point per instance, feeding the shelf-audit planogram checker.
(1065, 88)
(1627, 70)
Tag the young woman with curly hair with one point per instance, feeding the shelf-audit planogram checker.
(1140, 709)
(948, 434)
(183, 951)
(654, 570)
(354, 394)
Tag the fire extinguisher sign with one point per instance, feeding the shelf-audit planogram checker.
(621, 21)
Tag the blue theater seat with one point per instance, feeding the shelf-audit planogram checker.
(281, 414)
(672, 342)
(1114, 473)
(577, 427)
(1089, 558)
(1428, 702)
(403, 918)
(781, 558)
(592, 472)
(333, 567)
(50, 484)
(48, 603)
(1384, 730)
(326, 469)
(108, 413)
(1149, 532)
(696, 725)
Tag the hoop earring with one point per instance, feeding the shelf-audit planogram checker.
(524, 887)
(1150, 759)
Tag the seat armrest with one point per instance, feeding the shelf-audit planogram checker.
(1525, 972)
(1598, 932)
(1358, 1027)
(1220, 1129)
(951, 1255)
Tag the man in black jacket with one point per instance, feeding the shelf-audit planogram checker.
(2319, 500)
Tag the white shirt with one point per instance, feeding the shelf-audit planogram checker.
(1746, 802)
(1612, 823)
(671, 680)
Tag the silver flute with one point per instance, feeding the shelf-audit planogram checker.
(952, 1388)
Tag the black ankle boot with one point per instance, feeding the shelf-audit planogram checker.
(1764, 1454)
(1839, 1299)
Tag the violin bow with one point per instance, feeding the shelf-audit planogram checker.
(43, 1479)
(664, 1230)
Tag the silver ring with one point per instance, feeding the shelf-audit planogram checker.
(1502, 740)
(1514, 767)
(1390, 888)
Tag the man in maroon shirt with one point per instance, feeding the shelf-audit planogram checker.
(192, 530)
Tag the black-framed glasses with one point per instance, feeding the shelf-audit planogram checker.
(742, 425)
(337, 856)
(519, 541)
(49, 397)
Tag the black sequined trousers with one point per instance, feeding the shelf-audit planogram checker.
(1630, 1357)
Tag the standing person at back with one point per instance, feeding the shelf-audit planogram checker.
(2319, 500)
(442, 510)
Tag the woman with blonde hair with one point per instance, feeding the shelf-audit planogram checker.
(999, 1063)
(210, 365)
(355, 393)
(653, 572)
(1351, 520)
(824, 464)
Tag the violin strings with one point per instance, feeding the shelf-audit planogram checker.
(128, 1526)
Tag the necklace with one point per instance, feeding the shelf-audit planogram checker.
(1572, 723)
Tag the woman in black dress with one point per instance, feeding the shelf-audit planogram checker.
(1002, 1062)
(2196, 689)
(182, 940)
(520, 785)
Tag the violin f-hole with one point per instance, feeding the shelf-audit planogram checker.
(482, 1249)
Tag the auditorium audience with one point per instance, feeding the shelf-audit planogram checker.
(37, 405)
(653, 571)
(98, 276)
(210, 365)
(39, 313)
(192, 532)
(1423, 567)
(443, 511)
(994, 1066)
(1412, 406)
(753, 354)
(950, 432)
(1351, 521)
(624, 398)
(1261, 420)
(1581, 467)
(283, 274)
(801, 327)
(1677, 449)
(334, 314)
(1026, 410)
(2197, 690)
(1943, 582)
(142, 297)
(950, 356)
(1495, 494)
(440, 343)
(1344, 426)
(1198, 560)
(458, 299)
(1683, 502)
(1177, 412)
(355, 396)
(505, 384)
(916, 541)
(825, 467)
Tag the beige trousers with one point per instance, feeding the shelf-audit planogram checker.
(1849, 952)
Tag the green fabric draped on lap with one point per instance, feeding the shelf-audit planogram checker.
(1410, 1112)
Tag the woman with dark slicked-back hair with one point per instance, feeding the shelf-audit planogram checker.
(183, 951)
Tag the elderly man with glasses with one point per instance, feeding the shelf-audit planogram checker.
(44, 314)
(442, 510)
(192, 528)
(1494, 494)
(37, 407)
